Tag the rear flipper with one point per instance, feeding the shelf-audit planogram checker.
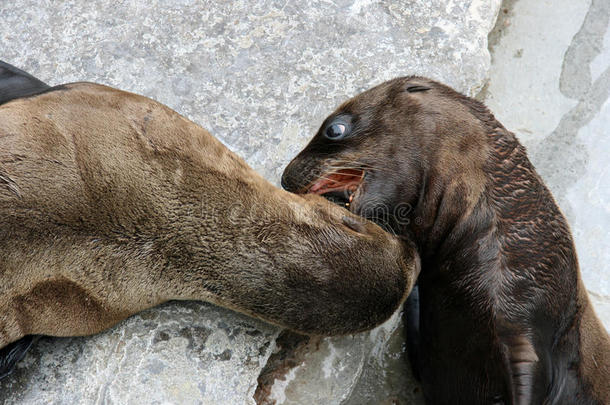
(411, 319)
(15, 83)
(11, 354)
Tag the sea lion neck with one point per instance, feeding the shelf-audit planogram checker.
(450, 206)
(441, 217)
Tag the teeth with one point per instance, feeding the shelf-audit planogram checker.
(350, 193)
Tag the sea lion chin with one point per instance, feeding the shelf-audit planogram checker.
(111, 203)
(500, 313)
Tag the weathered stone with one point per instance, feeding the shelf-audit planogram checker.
(359, 369)
(261, 76)
(186, 353)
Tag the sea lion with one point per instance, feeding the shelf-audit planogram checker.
(111, 203)
(503, 314)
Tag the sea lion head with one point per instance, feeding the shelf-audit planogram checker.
(377, 152)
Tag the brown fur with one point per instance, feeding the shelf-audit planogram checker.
(503, 314)
(111, 203)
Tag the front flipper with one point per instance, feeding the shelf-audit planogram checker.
(15, 83)
(11, 354)
(526, 376)
(411, 319)
(520, 361)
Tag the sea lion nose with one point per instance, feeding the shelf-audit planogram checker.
(354, 224)
(284, 182)
(287, 180)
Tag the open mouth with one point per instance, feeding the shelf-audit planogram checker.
(340, 187)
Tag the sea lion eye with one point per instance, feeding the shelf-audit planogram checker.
(336, 130)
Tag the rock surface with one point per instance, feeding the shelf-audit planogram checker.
(550, 84)
(261, 76)
(181, 353)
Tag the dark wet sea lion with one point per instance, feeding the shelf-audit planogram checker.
(111, 203)
(503, 315)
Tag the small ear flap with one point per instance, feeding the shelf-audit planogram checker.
(414, 88)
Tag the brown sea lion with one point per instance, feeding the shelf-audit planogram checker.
(503, 314)
(111, 203)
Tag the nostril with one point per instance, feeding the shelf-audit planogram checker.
(354, 224)
(284, 183)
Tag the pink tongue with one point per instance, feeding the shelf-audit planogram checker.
(342, 180)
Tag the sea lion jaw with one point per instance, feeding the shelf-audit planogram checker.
(348, 188)
(351, 189)
(340, 186)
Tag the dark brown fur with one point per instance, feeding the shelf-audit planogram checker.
(111, 203)
(503, 314)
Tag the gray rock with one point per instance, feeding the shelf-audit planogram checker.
(186, 353)
(261, 76)
(368, 368)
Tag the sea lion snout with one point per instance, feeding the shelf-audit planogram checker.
(356, 274)
(348, 291)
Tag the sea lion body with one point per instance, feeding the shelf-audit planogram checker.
(111, 203)
(502, 315)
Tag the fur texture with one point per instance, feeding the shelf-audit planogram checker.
(111, 203)
(503, 314)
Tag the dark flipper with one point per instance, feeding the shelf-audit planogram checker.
(411, 319)
(15, 83)
(13, 353)
(527, 375)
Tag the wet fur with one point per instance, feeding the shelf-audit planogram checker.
(503, 314)
(111, 203)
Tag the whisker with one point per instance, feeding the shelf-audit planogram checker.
(357, 166)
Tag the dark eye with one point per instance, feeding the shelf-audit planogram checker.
(336, 130)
